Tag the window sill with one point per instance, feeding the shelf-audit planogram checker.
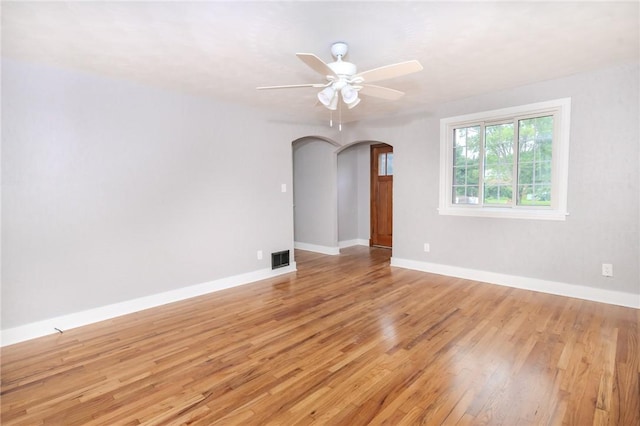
(504, 213)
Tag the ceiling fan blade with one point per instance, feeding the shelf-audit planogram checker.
(390, 71)
(381, 92)
(290, 86)
(316, 64)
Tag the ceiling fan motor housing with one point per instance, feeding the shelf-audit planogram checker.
(340, 67)
(339, 49)
(343, 68)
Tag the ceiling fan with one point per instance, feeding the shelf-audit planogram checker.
(344, 80)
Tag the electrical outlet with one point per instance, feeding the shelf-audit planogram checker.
(259, 254)
(427, 247)
(607, 270)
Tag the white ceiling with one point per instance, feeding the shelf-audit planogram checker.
(226, 49)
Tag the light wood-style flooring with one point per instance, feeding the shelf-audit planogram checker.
(347, 340)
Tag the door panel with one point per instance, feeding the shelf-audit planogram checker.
(381, 195)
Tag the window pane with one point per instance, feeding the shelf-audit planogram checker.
(534, 195)
(543, 172)
(465, 194)
(526, 195)
(382, 164)
(473, 174)
(498, 160)
(535, 143)
(459, 175)
(498, 194)
(543, 194)
(466, 164)
(473, 148)
(460, 156)
(525, 173)
(390, 164)
(459, 191)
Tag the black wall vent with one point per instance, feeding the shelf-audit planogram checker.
(279, 259)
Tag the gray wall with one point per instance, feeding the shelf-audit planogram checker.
(315, 192)
(113, 191)
(348, 194)
(364, 191)
(354, 192)
(603, 198)
(317, 186)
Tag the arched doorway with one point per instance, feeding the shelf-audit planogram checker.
(332, 194)
(315, 210)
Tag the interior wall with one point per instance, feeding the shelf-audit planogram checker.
(354, 193)
(348, 196)
(364, 191)
(603, 197)
(315, 189)
(315, 193)
(114, 191)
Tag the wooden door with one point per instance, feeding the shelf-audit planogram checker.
(381, 195)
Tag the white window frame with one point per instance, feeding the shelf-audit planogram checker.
(561, 109)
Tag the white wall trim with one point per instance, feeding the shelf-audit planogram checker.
(78, 319)
(611, 297)
(316, 248)
(351, 243)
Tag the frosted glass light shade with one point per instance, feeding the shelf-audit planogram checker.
(326, 95)
(349, 94)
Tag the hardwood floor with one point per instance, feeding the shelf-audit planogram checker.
(347, 340)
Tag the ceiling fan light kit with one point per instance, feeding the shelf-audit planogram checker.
(349, 95)
(326, 97)
(344, 81)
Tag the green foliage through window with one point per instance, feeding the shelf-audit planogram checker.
(498, 164)
(511, 162)
(466, 161)
(487, 156)
(534, 164)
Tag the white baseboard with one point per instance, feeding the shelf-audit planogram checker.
(611, 297)
(78, 319)
(351, 243)
(316, 248)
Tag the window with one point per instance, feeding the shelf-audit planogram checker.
(506, 163)
(385, 164)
